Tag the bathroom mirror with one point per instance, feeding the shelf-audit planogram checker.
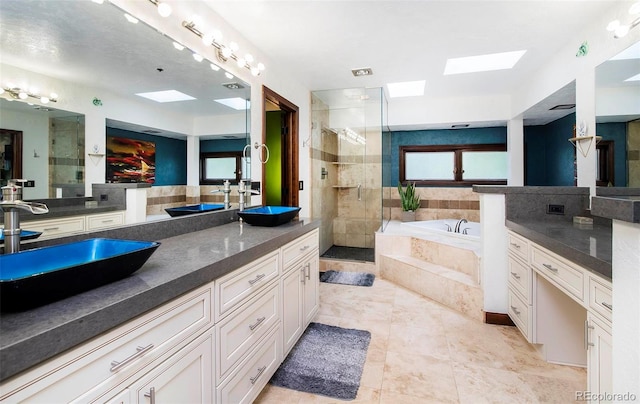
(618, 112)
(85, 45)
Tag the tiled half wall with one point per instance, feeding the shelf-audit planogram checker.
(438, 203)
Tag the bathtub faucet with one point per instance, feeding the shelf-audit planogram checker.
(457, 228)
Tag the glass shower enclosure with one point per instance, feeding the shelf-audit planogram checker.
(346, 163)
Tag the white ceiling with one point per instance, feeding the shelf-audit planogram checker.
(320, 41)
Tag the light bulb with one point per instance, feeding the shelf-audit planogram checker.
(621, 31)
(261, 66)
(255, 71)
(164, 9)
(226, 52)
(214, 67)
(198, 57)
(196, 19)
(241, 62)
(249, 58)
(207, 38)
(22, 95)
(44, 100)
(613, 25)
(53, 96)
(228, 75)
(233, 46)
(217, 35)
(178, 46)
(635, 8)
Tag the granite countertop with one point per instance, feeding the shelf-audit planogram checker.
(181, 263)
(618, 207)
(587, 246)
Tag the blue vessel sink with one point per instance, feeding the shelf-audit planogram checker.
(191, 209)
(24, 235)
(34, 277)
(269, 215)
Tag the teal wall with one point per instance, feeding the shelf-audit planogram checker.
(222, 145)
(171, 156)
(435, 137)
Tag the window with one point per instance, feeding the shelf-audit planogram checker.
(454, 164)
(215, 168)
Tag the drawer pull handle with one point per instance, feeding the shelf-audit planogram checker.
(515, 275)
(107, 221)
(515, 310)
(587, 327)
(151, 395)
(256, 279)
(255, 378)
(517, 246)
(607, 305)
(305, 248)
(308, 266)
(52, 228)
(304, 276)
(257, 323)
(550, 267)
(115, 365)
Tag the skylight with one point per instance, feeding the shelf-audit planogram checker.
(166, 96)
(483, 63)
(634, 78)
(235, 103)
(632, 52)
(406, 89)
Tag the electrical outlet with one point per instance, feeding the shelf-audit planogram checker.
(555, 209)
(29, 184)
(300, 185)
(104, 197)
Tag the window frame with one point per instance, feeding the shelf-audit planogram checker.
(203, 164)
(458, 169)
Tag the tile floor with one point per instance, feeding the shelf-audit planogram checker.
(422, 352)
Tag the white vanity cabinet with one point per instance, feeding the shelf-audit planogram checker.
(221, 342)
(569, 309)
(74, 224)
(300, 287)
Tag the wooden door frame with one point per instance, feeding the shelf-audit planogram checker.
(16, 143)
(290, 144)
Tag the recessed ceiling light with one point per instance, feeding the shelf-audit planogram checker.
(362, 71)
(406, 89)
(483, 63)
(236, 103)
(562, 106)
(166, 96)
(233, 86)
(634, 78)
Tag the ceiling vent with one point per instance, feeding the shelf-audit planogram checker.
(233, 86)
(562, 106)
(151, 131)
(460, 126)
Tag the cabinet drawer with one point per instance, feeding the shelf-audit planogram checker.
(518, 246)
(238, 333)
(520, 278)
(95, 222)
(298, 248)
(600, 297)
(244, 385)
(559, 272)
(92, 369)
(56, 227)
(521, 314)
(242, 283)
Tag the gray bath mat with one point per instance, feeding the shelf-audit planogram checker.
(347, 278)
(327, 360)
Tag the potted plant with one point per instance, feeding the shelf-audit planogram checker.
(410, 201)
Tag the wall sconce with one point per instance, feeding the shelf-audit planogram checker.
(17, 93)
(619, 30)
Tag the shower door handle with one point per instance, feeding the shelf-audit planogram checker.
(359, 192)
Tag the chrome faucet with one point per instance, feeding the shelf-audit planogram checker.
(457, 228)
(10, 204)
(242, 190)
(227, 191)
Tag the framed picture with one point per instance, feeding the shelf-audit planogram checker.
(130, 160)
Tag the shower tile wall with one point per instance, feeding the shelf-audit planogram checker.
(168, 196)
(66, 157)
(633, 154)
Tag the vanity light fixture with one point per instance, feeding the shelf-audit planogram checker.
(164, 9)
(619, 30)
(17, 93)
(224, 52)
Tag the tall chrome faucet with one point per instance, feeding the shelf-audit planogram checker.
(11, 202)
(242, 190)
(227, 191)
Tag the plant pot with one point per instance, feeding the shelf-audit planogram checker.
(408, 215)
